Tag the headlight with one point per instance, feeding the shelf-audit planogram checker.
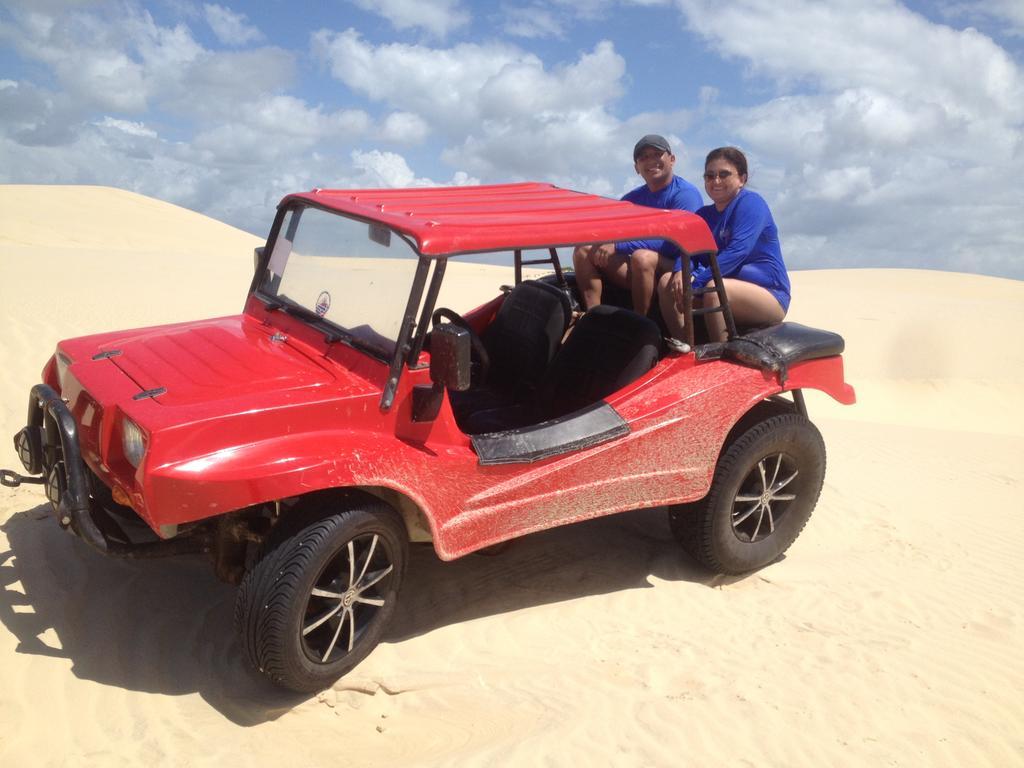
(133, 442)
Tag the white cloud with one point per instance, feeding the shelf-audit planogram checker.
(532, 21)
(557, 18)
(113, 64)
(510, 115)
(243, 138)
(542, 146)
(438, 17)
(163, 51)
(390, 170)
(846, 184)
(221, 85)
(127, 126)
(887, 130)
(469, 82)
(107, 78)
(523, 86)
(124, 62)
(278, 129)
(441, 83)
(287, 116)
(230, 28)
(1007, 10)
(1008, 13)
(385, 169)
(865, 43)
(35, 117)
(404, 128)
(587, 9)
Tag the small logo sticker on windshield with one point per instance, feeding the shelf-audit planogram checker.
(323, 303)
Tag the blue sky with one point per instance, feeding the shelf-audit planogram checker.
(881, 133)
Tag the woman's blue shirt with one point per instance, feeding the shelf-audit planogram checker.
(748, 245)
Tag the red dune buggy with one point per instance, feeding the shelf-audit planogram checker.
(350, 410)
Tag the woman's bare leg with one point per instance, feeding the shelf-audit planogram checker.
(751, 305)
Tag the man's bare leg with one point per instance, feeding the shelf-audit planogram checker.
(670, 310)
(594, 263)
(588, 278)
(644, 267)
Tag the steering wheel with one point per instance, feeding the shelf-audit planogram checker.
(479, 350)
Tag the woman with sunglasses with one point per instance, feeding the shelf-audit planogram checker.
(749, 255)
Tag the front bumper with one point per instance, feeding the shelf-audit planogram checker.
(48, 445)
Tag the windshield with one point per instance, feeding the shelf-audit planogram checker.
(354, 275)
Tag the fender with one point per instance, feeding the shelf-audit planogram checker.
(824, 374)
(291, 465)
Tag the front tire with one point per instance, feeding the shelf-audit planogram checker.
(319, 602)
(765, 487)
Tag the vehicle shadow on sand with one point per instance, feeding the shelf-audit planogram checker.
(599, 556)
(165, 626)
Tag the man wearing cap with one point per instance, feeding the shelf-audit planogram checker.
(636, 263)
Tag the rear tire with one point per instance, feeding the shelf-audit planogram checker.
(765, 487)
(318, 603)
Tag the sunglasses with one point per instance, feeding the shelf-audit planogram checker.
(721, 175)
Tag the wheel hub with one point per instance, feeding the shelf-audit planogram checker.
(343, 603)
(753, 516)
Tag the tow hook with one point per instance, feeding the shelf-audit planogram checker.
(10, 479)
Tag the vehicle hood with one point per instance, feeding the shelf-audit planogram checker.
(222, 359)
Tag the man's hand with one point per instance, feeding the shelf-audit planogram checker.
(599, 254)
(676, 286)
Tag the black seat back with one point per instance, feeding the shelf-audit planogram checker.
(524, 336)
(608, 348)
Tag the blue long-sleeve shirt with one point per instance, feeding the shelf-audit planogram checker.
(678, 194)
(748, 245)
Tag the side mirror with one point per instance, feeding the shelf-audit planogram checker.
(449, 367)
(257, 254)
(450, 357)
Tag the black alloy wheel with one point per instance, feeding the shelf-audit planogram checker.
(765, 487)
(320, 601)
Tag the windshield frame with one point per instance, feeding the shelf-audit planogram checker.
(333, 331)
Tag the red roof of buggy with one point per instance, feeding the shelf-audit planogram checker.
(449, 220)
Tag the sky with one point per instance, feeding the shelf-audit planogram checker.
(881, 133)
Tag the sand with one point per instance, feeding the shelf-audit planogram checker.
(891, 634)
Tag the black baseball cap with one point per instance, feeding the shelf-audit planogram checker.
(651, 140)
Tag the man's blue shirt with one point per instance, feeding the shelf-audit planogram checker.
(678, 194)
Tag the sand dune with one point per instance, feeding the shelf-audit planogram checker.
(890, 634)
